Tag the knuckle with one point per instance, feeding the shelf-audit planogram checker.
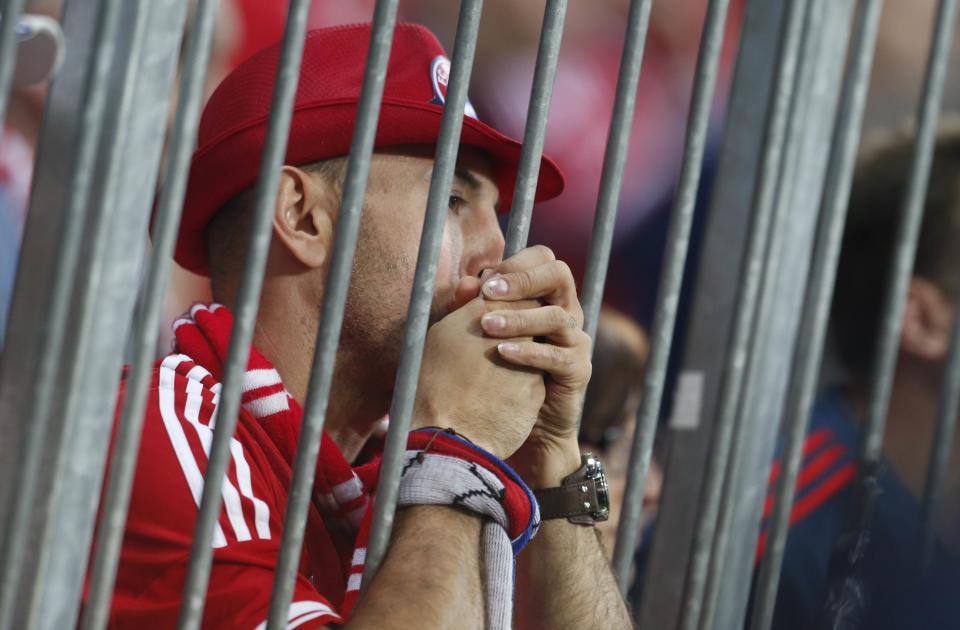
(523, 280)
(545, 252)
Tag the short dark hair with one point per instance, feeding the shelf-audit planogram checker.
(869, 239)
(227, 235)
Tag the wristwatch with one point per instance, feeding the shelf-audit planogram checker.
(582, 498)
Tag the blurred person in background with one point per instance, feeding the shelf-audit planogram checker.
(40, 49)
(887, 590)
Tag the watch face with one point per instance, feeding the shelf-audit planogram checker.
(595, 472)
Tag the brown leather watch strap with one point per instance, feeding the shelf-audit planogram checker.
(574, 501)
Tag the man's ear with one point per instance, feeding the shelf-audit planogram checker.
(304, 216)
(927, 321)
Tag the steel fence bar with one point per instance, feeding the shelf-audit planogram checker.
(614, 162)
(238, 352)
(678, 241)
(334, 302)
(816, 312)
(418, 315)
(10, 13)
(22, 493)
(123, 463)
(757, 374)
(531, 152)
(747, 298)
(942, 443)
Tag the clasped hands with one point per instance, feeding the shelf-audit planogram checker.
(486, 376)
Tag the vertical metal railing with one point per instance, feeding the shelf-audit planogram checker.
(245, 312)
(885, 360)
(614, 162)
(767, 329)
(675, 257)
(334, 302)
(819, 290)
(747, 298)
(116, 499)
(22, 495)
(548, 53)
(82, 252)
(418, 314)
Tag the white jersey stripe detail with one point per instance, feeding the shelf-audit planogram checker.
(348, 490)
(353, 582)
(178, 439)
(231, 498)
(260, 509)
(304, 611)
(359, 556)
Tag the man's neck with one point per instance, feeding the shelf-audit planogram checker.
(286, 335)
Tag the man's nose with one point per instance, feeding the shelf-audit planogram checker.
(484, 246)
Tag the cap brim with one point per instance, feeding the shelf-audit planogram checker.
(324, 130)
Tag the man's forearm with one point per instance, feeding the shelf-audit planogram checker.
(564, 581)
(430, 577)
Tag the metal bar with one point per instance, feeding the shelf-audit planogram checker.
(401, 409)
(765, 337)
(531, 152)
(123, 464)
(103, 300)
(942, 442)
(614, 162)
(678, 241)
(747, 297)
(816, 311)
(334, 301)
(713, 301)
(22, 494)
(238, 352)
(9, 16)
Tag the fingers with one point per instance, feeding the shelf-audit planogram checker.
(550, 281)
(552, 322)
(566, 365)
(526, 258)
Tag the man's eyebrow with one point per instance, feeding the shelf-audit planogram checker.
(472, 183)
(467, 177)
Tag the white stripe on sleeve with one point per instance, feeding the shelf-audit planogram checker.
(231, 498)
(178, 439)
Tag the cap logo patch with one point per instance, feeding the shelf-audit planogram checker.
(440, 77)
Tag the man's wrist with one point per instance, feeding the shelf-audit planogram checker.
(547, 466)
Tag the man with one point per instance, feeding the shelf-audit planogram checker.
(888, 590)
(495, 391)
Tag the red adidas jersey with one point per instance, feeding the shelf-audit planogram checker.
(167, 489)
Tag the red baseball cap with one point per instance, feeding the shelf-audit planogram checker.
(234, 122)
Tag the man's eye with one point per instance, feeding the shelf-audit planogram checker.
(455, 203)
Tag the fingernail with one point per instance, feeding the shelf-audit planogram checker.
(493, 322)
(508, 347)
(495, 287)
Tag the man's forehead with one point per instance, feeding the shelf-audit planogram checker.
(474, 168)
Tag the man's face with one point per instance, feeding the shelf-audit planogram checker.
(389, 240)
